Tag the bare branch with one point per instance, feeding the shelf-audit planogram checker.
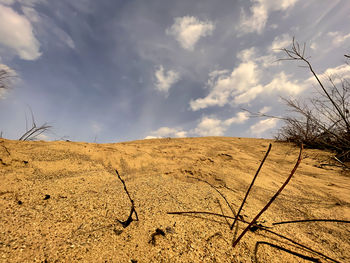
(272, 199)
(251, 185)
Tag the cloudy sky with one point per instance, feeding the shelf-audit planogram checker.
(119, 70)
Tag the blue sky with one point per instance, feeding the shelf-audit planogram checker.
(110, 71)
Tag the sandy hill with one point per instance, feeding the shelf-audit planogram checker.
(61, 202)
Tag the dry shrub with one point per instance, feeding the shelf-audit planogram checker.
(323, 121)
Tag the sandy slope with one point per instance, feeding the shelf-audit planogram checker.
(78, 221)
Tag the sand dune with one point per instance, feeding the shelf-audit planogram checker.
(61, 201)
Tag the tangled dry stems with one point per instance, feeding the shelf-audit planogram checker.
(322, 122)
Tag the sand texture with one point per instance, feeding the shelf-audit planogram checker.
(61, 202)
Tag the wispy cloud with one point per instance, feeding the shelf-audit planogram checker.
(17, 34)
(260, 11)
(165, 79)
(64, 37)
(188, 30)
(338, 38)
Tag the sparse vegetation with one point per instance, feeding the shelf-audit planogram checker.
(33, 132)
(5, 77)
(322, 122)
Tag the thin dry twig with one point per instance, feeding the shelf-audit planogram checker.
(272, 199)
(251, 185)
(255, 227)
(311, 220)
(208, 213)
(132, 210)
(343, 164)
(286, 250)
(297, 243)
(222, 212)
(221, 194)
(35, 131)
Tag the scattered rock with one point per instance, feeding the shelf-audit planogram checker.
(117, 231)
(158, 232)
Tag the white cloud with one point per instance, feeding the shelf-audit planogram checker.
(279, 42)
(313, 46)
(265, 109)
(262, 126)
(260, 13)
(150, 137)
(224, 86)
(265, 61)
(248, 95)
(281, 83)
(338, 38)
(268, 61)
(241, 117)
(164, 80)
(209, 126)
(246, 55)
(43, 137)
(167, 132)
(336, 73)
(188, 30)
(17, 34)
(243, 84)
(11, 71)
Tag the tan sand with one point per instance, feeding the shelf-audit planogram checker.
(78, 220)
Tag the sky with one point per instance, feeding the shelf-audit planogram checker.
(120, 70)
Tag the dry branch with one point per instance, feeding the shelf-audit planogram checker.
(311, 220)
(299, 244)
(260, 227)
(286, 250)
(322, 121)
(206, 213)
(132, 210)
(34, 131)
(272, 199)
(251, 185)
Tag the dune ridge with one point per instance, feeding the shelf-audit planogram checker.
(61, 201)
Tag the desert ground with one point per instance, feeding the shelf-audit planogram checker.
(63, 202)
